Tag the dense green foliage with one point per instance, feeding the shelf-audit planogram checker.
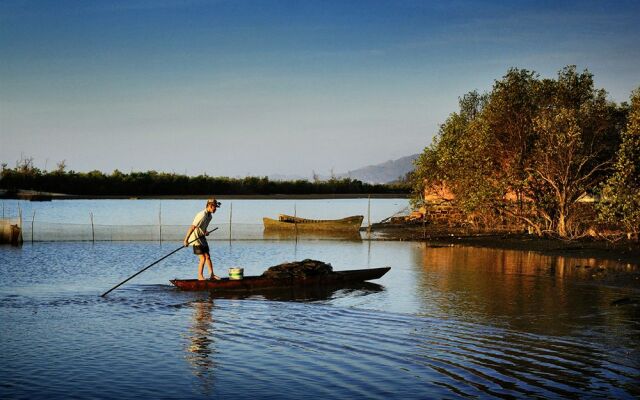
(152, 183)
(621, 192)
(530, 149)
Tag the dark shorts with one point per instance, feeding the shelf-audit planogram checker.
(201, 249)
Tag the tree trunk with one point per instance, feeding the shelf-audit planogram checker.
(562, 228)
(562, 219)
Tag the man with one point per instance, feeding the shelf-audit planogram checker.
(196, 237)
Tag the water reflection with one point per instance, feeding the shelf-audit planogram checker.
(200, 349)
(448, 323)
(503, 364)
(306, 293)
(319, 235)
(525, 290)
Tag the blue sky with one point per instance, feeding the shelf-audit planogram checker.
(288, 87)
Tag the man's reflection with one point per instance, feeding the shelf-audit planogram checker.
(200, 349)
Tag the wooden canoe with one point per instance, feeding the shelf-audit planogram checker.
(290, 223)
(259, 283)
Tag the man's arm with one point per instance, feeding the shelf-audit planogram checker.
(186, 239)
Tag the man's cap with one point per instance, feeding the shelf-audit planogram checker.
(215, 202)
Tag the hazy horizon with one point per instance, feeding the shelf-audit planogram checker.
(276, 87)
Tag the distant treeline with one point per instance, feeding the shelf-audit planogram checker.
(534, 150)
(152, 183)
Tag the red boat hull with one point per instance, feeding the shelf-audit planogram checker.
(256, 283)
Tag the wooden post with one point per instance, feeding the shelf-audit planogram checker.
(93, 233)
(160, 221)
(295, 220)
(20, 239)
(230, 219)
(33, 220)
(369, 253)
(369, 218)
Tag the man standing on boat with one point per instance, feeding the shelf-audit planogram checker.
(196, 237)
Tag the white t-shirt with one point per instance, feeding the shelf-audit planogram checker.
(201, 222)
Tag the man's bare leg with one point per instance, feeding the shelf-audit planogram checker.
(210, 266)
(201, 267)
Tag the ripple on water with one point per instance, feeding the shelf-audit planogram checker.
(154, 342)
(370, 354)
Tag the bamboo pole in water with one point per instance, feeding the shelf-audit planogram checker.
(20, 239)
(230, 219)
(160, 221)
(33, 220)
(93, 232)
(369, 218)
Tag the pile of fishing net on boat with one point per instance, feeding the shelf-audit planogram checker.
(298, 269)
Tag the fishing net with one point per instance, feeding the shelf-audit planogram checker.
(73, 220)
(298, 269)
(40, 231)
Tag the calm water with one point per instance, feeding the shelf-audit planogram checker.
(179, 212)
(150, 220)
(445, 322)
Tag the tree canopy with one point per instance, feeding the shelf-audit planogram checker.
(621, 192)
(530, 149)
(152, 183)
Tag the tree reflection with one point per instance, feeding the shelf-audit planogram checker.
(526, 290)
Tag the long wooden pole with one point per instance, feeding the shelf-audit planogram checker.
(153, 263)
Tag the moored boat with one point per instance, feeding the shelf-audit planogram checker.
(291, 223)
(258, 283)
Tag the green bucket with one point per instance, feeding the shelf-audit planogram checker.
(236, 274)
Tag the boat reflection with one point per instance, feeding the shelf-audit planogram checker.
(305, 293)
(274, 234)
(201, 346)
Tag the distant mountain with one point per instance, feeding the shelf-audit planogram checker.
(386, 172)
